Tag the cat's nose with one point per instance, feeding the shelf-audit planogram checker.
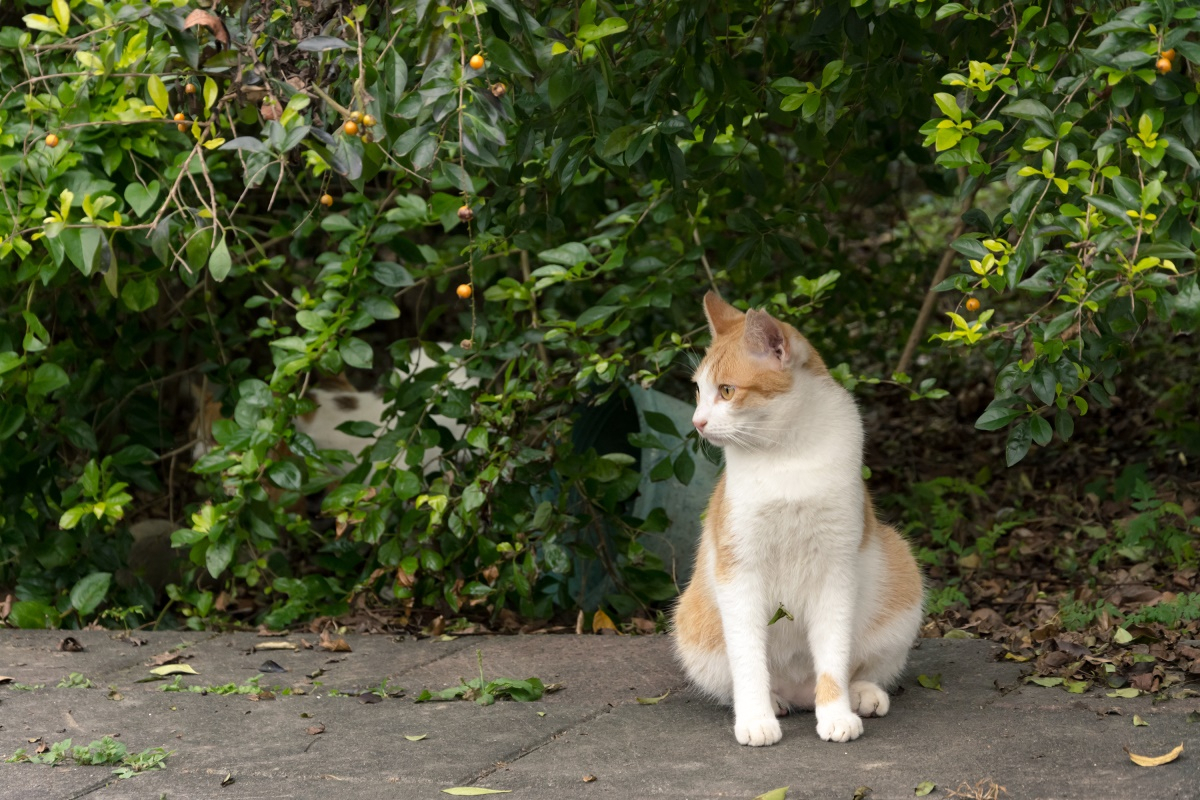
(700, 423)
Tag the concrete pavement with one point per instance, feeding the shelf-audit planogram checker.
(984, 725)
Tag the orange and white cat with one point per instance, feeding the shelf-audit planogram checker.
(790, 524)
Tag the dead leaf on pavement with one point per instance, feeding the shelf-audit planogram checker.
(652, 701)
(174, 669)
(4, 679)
(332, 645)
(70, 645)
(1138, 722)
(228, 779)
(416, 738)
(113, 694)
(1155, 761)
(166, 658)
(275, 646)
(602, 623)
(931, 681)
(589, 778)
(774, 794)
(263, 630)
(370, 698)
(924, 788)
(474, 791)
(1193, 716)
(313, 730)
(861, 793)
(271, 666)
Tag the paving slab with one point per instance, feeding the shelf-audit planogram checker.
(984, 724)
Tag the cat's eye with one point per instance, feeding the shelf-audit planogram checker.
(726, 391)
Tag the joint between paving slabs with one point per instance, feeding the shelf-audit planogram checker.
(511, 758)
(88, 790)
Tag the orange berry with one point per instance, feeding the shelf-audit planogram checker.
(356, 115)
(351, 128)
(1163, 65)
(52, 141)
(181, 127)
(180, 117)
(477, 61)
(466, 214)
(327, 200)
(1169, 55)
(463, 290)
(190, 88)
(972, 304)
(369, 121)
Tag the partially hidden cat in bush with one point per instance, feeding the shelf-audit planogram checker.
(790, 526)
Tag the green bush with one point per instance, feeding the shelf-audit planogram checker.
(615, 161)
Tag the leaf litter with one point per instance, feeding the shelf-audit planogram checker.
(1155, 761)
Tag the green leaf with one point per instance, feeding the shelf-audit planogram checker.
(661, 423)
(219, 262)
(210, 94)
(46, 379)
(219, 556)
(652, 701)
(948, 105)
(357, 353)
(1127, 693)
(27, 614)
(774, 794)
(1047, 682)
(1138, 722)
(781, 613)
(1020, 437)
(62, 13)
(174, 669)
(996, 417)
(923, 788)
(285, 475)
(1041, 430)
(931, 681)
(158, 94)
(140, 295)
(1122, 636)
(141, 198)
(90, 592)
(40, 22)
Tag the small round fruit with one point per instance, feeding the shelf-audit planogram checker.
(52, 141)
(356, 115)
(1169, 55)
(477, 61)
(369, 121)
(1163, 65)
(180, 117)
(181, 127)
(463, 290)
(466, 214)
(351, 128)
(366, 137)
(499, 90)
(972, 304)
(190, 88)
(327, 200)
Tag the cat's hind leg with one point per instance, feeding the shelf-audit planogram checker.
(868, 699)
(790, 694)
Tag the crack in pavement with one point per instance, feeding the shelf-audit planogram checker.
(516, 755)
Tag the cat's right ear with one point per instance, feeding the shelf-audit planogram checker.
(721, 315)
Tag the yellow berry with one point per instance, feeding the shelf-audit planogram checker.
(477, 61)
(326, 200)
(369, 121)
(180, 117)
(464, 290)
(52, 141)
(190, 88)
(1163, 65)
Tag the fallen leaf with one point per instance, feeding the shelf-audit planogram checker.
(263, 630)
(174, 669)
(589, 778)
(652, 701)
(1138, 722)
(275, 646)
(271, 666)
(781, 613)
(931, 681)
(543, 713)
(1193, 716)
(214, 24)
(774, 794)
(861, 793)
(313, 730)
(113, 694)
(602, 622)
(369, 698)
(165, 658)
(332, 645)
(924, 788)
(228, 779)
(1047, 682)
(1075, 687)
(416, 738)
(70, 645)
(1127, 692)
(4, 679)
(474, 791)
(305, 715)
(314, 675)
(1155, 761)
(1122, 636)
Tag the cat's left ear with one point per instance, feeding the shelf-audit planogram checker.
(766, 337)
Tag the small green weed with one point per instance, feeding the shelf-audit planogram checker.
(486, 692)
(75, 680)
(103, 752)
(943, 597)
(25, 687)
(249, 687)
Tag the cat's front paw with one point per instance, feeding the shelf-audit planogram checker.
(839, 726)
(868, 699)
(758, 732)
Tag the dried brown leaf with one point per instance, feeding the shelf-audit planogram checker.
(313, 730)
(210, 21)
(70, 645)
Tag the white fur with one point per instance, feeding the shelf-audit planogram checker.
(794, 511)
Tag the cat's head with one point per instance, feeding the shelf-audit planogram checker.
(752, 377)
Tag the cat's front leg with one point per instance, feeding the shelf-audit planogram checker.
(744, 610)
(829, 636)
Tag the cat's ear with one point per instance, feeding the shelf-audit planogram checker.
(766, 337)
(721, 315)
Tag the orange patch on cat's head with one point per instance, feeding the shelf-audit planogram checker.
(754, 352)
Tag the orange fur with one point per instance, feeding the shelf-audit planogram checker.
(828, 690)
